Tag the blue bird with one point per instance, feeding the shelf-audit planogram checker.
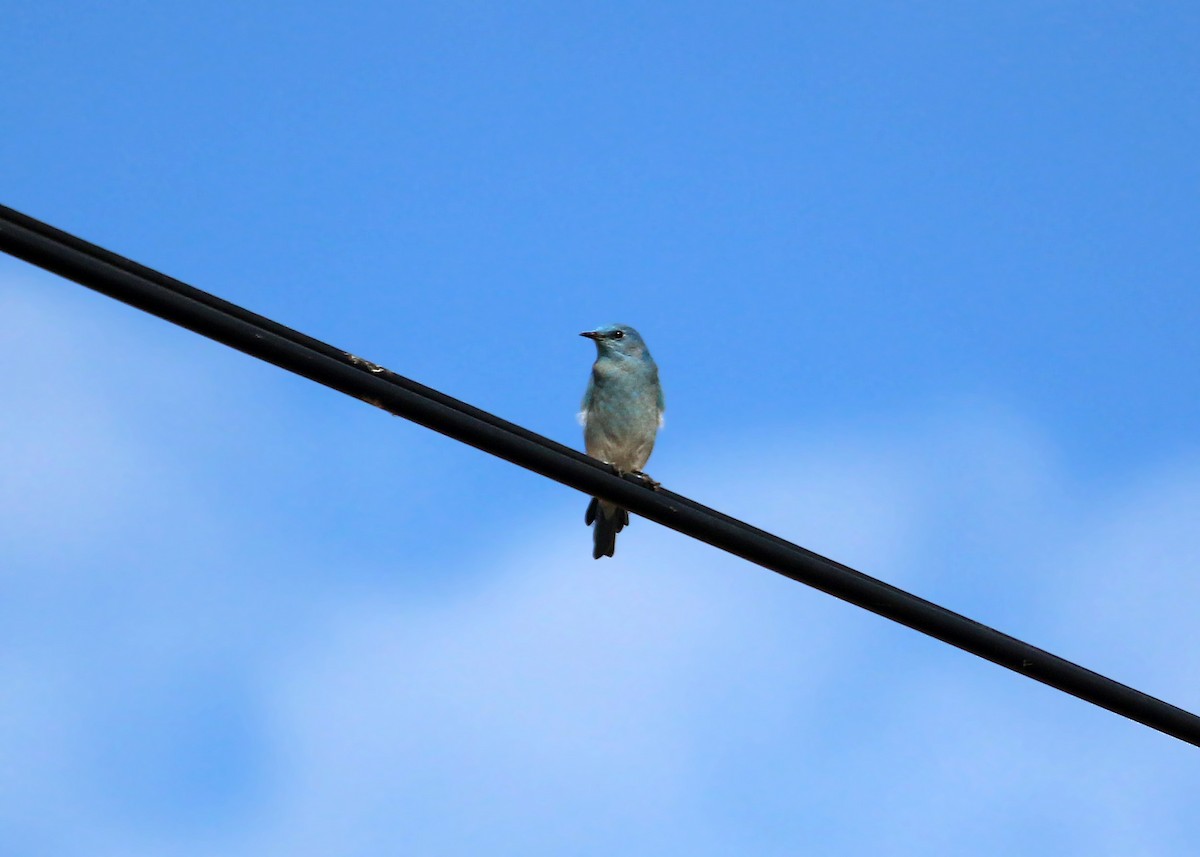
(622, 412)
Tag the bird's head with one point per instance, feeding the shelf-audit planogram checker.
(617, 340)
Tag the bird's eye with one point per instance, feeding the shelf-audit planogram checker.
(620, 334)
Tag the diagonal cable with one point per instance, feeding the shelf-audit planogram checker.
(70, 257)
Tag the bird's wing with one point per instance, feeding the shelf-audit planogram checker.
(587, 401)
(662, 406)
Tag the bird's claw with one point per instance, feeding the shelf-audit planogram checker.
(646, 480)
(642, 479)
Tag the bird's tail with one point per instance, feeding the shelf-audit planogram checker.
(606, 521)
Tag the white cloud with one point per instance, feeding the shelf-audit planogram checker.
(678, 696)
(218, 676)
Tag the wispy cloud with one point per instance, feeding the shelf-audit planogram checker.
(188, 672)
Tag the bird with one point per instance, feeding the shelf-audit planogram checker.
(622, 413)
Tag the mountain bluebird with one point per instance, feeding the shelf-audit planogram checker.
(622, 411)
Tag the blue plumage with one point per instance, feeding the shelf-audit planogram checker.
(622, 412)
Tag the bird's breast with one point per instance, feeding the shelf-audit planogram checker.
(622, 419)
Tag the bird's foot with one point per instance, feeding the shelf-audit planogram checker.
(646, 480)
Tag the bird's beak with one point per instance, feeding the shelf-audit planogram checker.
(590, 334)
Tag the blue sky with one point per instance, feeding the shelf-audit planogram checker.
(921, 281)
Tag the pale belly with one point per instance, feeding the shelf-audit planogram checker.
(626, 444)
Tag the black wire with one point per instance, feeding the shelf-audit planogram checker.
(167, 298)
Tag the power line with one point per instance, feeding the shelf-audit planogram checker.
(169, 299)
